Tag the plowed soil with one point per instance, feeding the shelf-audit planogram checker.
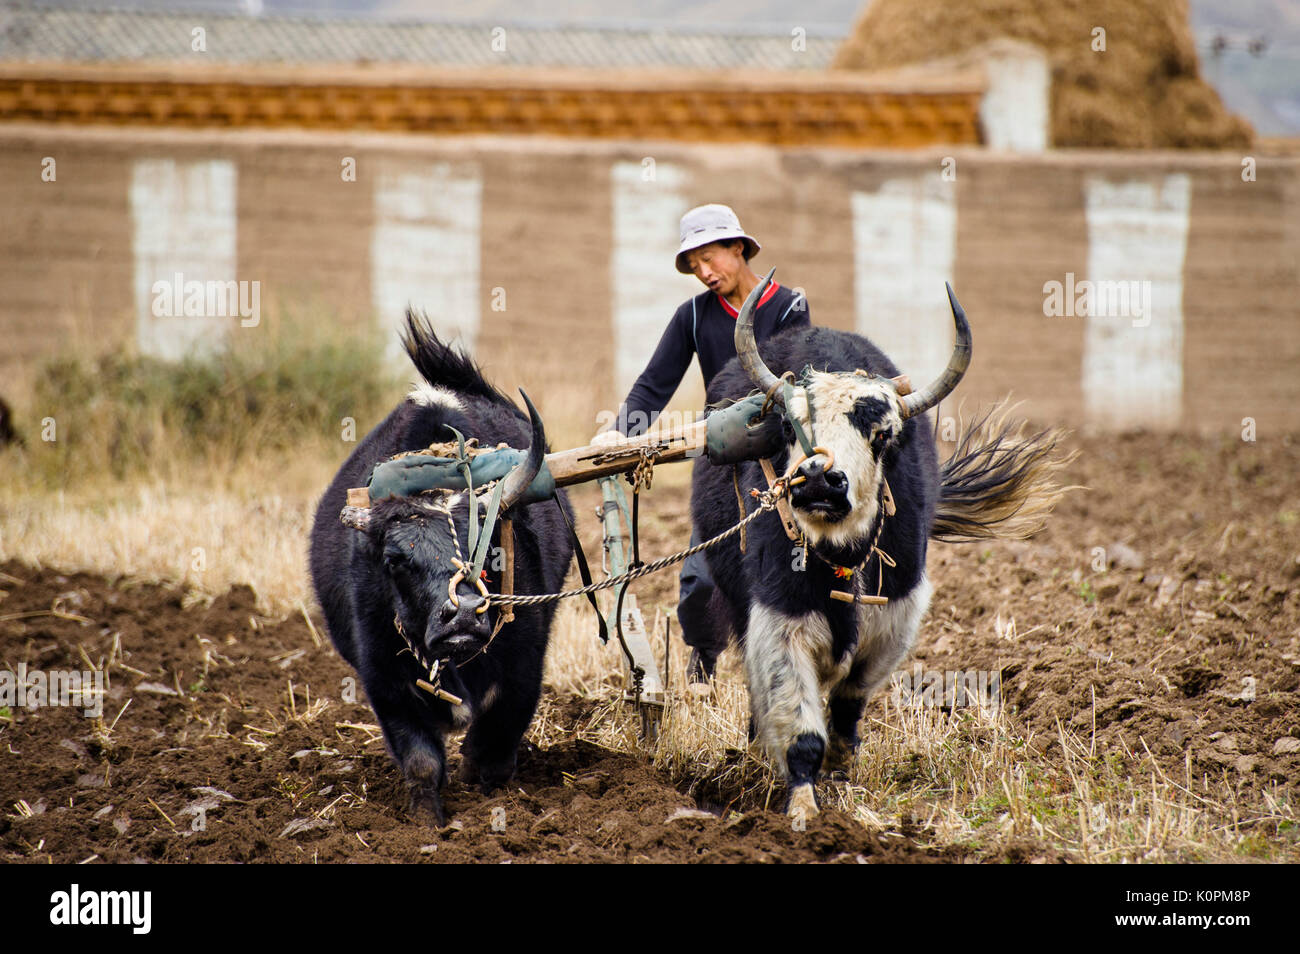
(1183, 643)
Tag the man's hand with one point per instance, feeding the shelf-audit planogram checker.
(606, 437)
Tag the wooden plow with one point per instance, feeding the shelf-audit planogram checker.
(643, 685)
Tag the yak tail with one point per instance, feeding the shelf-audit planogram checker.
(999, 482)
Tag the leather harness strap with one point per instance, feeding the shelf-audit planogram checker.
(584, 571)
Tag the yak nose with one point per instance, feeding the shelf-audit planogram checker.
(461, 631)
(820, 487)
(463, 618)
(814, 469)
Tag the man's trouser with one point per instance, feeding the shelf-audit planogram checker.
(699, 630)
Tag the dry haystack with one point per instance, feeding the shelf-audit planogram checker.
(1144, 91)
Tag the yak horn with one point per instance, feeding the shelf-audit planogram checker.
(918, 402)
(747, 347)
(358, 518)
(521, 476)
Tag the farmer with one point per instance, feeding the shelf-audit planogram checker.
(716, 250)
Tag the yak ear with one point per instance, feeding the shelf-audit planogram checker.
(358, 518)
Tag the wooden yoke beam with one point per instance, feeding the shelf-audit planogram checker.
(600, 460)
(594, 461)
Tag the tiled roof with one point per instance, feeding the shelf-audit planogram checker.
(80, 35)
(779, 108)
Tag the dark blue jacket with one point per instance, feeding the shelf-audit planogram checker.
(706, 326)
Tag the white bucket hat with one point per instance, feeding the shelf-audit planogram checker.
(711, 223)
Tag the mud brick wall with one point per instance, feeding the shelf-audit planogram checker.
(551, 254)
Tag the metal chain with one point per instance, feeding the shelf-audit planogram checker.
(643, 473)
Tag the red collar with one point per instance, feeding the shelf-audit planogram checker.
(726, 305)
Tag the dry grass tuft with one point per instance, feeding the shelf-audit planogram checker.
(204, 542)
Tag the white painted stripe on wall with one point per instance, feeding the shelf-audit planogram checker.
(1133, 366)
(904, 247)
(424, 249)
(647, 286)
(183, 221)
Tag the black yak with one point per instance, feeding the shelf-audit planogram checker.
(391, 576)
(873, 450)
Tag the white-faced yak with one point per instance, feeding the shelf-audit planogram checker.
(866, 447)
